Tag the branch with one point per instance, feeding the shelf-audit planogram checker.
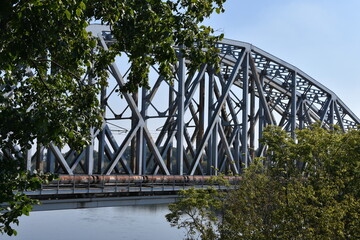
(64, 69)
(41, 79)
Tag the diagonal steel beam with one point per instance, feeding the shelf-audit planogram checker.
(227, 149)
(172, 127)
(77, 160)
(340, 120)
(325, 110)
(61, 159)
(121, 151)
(261, 91)
(135, 110)
(220, 103)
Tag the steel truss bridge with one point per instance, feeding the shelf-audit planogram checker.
(201, 124)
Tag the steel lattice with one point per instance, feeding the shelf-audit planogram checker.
(202, 124)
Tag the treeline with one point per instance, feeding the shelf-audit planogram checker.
(306, 188)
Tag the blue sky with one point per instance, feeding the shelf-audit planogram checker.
(320, 37)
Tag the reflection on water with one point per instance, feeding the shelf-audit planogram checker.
(126, 222)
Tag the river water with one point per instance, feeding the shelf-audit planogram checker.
(125, 222)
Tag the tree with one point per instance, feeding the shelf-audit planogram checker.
(304, 189)
(51, 70)
(192, 212)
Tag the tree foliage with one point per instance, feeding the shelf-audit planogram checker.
(192, 212)
(304, 189)
(14, 205)
(51, 70)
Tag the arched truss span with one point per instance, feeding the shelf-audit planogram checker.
(203, 123)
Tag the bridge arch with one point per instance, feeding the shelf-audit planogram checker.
(203, 123)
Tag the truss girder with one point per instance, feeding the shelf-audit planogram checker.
(201, 123)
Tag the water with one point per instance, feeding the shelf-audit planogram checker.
(125, 222)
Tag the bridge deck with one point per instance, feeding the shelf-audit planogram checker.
(85, 192)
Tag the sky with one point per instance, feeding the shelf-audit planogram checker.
(320, 37)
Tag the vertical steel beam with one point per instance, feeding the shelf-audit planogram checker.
(39, 158)
(245, 110)
(293, 105)
(201, 110)
(28, 160)
(237, 146)
(331, 115)
(252, 118)
(214, 149)
(140, 152)
(180, 116)
(301, 115)
(89, 154)
(211, 146)
(50, 162)
(261, 120)
(101, 152)
(169, 132)
(133, 149)
(102, 135)
(140, 143)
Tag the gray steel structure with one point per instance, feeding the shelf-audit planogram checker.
(201, 123)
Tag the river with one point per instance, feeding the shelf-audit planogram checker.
(125, 222)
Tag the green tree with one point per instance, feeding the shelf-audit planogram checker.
(192, 212)
(51, 70)
(303, 189)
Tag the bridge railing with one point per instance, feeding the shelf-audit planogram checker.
(85, 186)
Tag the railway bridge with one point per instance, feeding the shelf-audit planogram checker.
(202, 124)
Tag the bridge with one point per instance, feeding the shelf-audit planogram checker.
(79, 191)
(200, 124)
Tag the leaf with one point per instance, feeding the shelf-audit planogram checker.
(68, 14)
(82, 5)
(78, 12)
(84, 33)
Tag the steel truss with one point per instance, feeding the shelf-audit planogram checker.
(202, 123)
